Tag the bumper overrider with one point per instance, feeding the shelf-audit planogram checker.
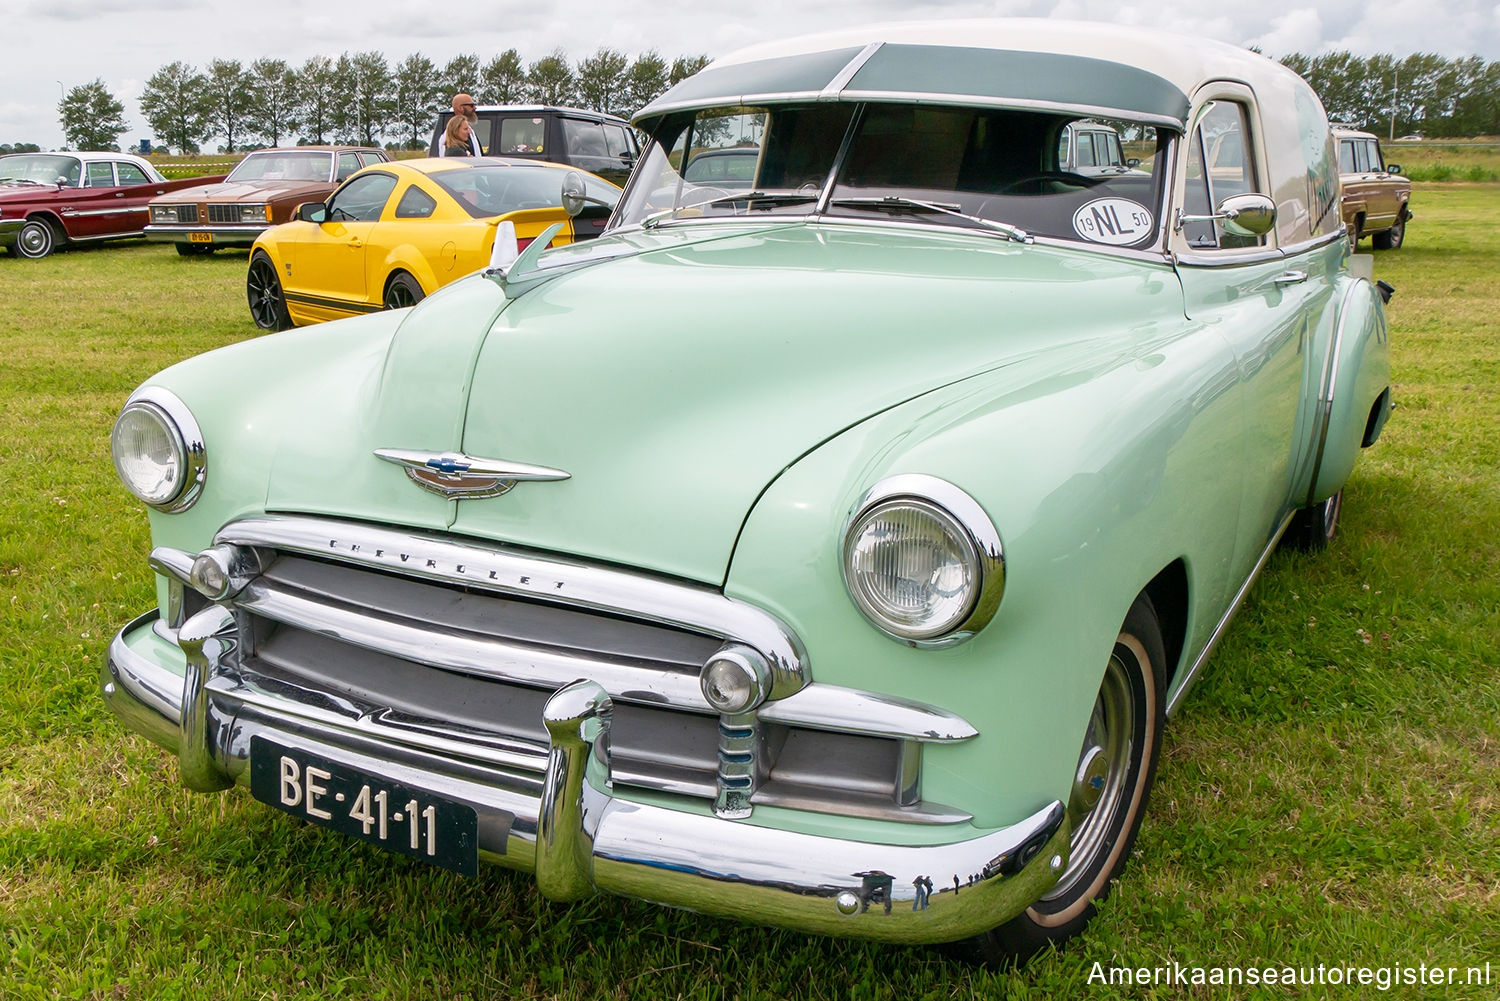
(550, 810)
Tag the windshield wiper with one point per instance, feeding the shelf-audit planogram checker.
(897, 203)
(21, 180)
(773, 197)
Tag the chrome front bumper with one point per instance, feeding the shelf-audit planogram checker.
(547, 810)
(224, 234)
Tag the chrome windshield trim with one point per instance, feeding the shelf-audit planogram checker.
(501, 569)
(840, 81)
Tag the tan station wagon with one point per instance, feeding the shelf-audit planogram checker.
(263, 191)
(1376, 199)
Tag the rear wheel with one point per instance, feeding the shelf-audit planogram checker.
(403, 291)
(37, 238)
(1392, 238)
(1111, 785)
(263, 290)
(1313, 528)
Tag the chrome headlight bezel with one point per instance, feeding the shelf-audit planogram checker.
(164, 213)
(185, 439)
(258, 212)
(958, 516)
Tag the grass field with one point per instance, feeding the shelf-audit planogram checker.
(1329, 794)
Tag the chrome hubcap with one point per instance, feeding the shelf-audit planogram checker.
(1099, 782)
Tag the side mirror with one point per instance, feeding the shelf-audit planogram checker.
(1134, 161)
(312, 212)
(1393, 168)
(575, 194)
(1248, 214)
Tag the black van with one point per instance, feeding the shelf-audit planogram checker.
(596, 142)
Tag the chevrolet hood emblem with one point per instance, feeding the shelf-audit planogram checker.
(454, 474)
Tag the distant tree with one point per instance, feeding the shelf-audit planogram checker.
(550, 80)
(91, 117)
(174, 104)
(503, 80)
(461, 75)
(228, 90)
(645, 80)
(419, 98)
(684, 67)
(273, 100)
(601, 81)
(20, 148)
(318, 99)
(373, 100)
(341, 112)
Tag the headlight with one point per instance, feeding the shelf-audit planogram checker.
(922, 561)
(163, 213)
(255, 213)
(158, 450)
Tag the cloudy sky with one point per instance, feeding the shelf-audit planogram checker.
(53, 45)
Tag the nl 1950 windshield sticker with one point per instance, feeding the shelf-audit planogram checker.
(1118, 222)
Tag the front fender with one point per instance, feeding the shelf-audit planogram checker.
(1355, 399)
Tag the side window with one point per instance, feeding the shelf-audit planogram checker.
(369, 156)
(618, 139)
(1346, 157)
(1062, 149)
(129, 173)
(584, 138)
(362, 199)
(348, 164)
(521, 135)
(415, 204)
(1113, 154)
(1377, 162)
(1220, 165)
(101, 175)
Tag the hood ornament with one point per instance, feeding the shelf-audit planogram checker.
(455, 475)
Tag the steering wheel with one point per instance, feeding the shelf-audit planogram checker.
(1036, 183)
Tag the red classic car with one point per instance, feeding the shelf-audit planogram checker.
(263, 191)
(48, 200)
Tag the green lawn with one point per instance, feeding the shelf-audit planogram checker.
(1330, 793)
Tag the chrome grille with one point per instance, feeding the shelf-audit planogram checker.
(187, 213)
(223, 213)
(486, 700)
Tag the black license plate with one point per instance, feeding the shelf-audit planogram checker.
(395, 817)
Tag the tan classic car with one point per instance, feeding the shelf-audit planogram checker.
(263, 191)
(1376, 199)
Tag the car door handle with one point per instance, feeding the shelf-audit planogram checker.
(1289, 278)
(356, 243)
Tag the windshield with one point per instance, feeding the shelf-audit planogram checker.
(40, 168)
(486, 191)
(1012, 171)
(279, 166)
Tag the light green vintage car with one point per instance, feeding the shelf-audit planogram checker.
(827, 550)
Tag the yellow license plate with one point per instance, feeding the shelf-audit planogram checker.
(200, 238)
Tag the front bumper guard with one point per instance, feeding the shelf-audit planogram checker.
(555, 816)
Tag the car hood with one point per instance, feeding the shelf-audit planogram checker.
(674, 383)
(245, 191)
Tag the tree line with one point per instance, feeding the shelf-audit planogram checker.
(362, 98)
(1422, 93)
(357, 98)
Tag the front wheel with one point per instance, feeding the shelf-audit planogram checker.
(36, 239)
(263, 290)
(1111, 785)
(1392, 238)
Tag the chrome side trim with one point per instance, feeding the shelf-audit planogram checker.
(578, 838)
(1218, 633)
(848, 710)
(507, 571)
(1329, 385)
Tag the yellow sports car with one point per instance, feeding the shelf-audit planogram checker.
(395, 232)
